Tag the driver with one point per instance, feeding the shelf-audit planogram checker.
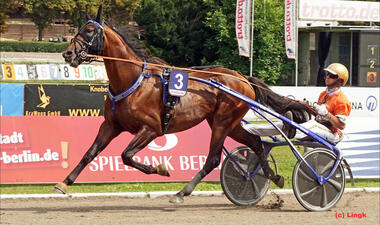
(333, 110)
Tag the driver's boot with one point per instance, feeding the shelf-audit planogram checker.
(269, 173)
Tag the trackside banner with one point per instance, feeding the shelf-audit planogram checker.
(290, 28)
(64, 100)
(242, 26)
(361, 143)
(46, 149)
(339, 10)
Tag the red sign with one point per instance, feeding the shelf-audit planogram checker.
(371, 77)
(46, 149)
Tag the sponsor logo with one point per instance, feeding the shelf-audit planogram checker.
(45, 100)
(98, 89)
(38, 113)
(171, 142)
(84, 112)
(356, 105)
(339, 10)
(17, 153)
(371, 103)
(14, 138)
(64, 100)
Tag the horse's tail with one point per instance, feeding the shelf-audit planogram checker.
(281, 104)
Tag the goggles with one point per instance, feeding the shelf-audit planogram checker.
(332, 76)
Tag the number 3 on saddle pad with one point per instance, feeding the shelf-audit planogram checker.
(178, 83)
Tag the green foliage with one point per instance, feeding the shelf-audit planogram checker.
(6, 7)
(174, 29)
(27, 46)
(189, 33)
(77, 15)
(115, 11)
(148, 186)
(106, 188)
(119, 11)
(43, 12)
(269, 58)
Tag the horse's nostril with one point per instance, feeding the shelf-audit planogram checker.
(67, 54)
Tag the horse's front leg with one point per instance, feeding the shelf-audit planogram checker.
(142, 139)
(106, 133)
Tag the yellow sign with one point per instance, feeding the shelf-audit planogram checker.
(9, 72)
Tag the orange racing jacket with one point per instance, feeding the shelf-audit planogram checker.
(337, 104)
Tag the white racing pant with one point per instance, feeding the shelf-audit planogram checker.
(314, 126)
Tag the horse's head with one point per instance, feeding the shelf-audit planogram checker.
(89, 39)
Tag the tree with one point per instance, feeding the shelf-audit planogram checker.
(77, 14)
(120, 11)
(115, 11)
(44, 12)
(198, 32)
(7, 7)
(174, 29)
(269, 58)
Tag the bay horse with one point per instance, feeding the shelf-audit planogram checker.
(141, 112)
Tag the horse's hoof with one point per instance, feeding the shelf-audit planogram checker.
(162, 170)
(176, 199)
(279, 181)
(60, 188)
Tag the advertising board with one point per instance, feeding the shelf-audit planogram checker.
(361, 143)
(64, 100)
(11, 99)
(46, 149)
(335, 10)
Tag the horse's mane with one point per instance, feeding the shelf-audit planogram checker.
(280, 104)
(136, 45)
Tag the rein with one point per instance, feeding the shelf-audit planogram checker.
(173, 67)
(186, 69)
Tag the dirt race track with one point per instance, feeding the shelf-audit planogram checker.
(196, 210)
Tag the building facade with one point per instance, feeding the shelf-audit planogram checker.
(338, 31)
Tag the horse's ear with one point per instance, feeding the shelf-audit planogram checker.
(88, 17)
(99, 15)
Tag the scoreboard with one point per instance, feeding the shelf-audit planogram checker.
(369, 60)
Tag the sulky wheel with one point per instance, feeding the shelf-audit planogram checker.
(309, 193)
(236, 187)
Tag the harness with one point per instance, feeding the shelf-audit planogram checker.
(88, 45)
(169, 101)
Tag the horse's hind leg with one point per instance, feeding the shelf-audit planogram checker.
(142, 139)
(106, 133)
(218, 136)
(240, 135)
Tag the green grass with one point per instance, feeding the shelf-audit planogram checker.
(286, 161)
(104, 187)
(283, 156)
